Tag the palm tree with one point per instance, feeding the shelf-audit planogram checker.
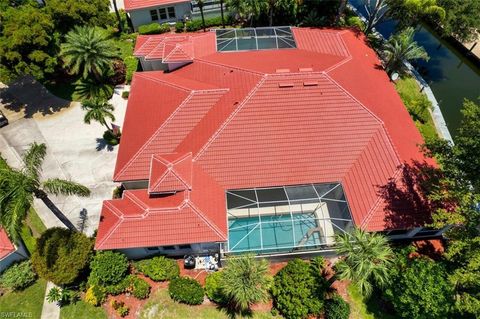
(98, 110)
(200, 5)
(376, 11)
(88, 51)
(120, 28)
(367, 258)
(221, 12)
(246, 281)
(18, 188)
(410, 12)
(401, 47)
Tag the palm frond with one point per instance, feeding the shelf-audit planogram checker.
(58, 186)
(33, 159)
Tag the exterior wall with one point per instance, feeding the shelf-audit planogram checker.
(152, 65)
(142, 16)
(18, 255)
(176, 251)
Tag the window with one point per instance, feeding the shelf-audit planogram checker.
(184, 247)
(154, 15)
(168, 247)
(152, 248)
(163, 13)
(171, 12)
(398, 232)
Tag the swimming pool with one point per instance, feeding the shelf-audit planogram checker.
(272, 233)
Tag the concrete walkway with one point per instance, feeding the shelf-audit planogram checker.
(50, 310)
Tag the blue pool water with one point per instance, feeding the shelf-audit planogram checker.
(277, 233)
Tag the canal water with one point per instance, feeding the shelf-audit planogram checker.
(451, 76)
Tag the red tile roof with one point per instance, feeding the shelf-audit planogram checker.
(141, 4)
(6, 246)
(170, 173)
(323, 112)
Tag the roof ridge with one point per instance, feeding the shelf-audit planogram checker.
(137, 201)
(141, 149)
(178, 47)
(114, 227)
(157, 80)
(229, 118)
(372, 210)
(206, 219)
(354, 98)
(215, 63)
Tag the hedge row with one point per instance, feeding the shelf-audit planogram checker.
(154, 28)
(196, 24)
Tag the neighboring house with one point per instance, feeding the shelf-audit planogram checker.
(148, 11)
(267, 140)
(165, 11)
(9, 253)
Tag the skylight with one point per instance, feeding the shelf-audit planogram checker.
(255, 39)
(286, 218)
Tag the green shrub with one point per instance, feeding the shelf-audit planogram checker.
(119, 287)
(337, 308)
(195, 25)
(139, 287)
(186, 290)
(154, 28)
(95, 295)
(355, 22)
(108, 268)
(123, 311)
(61, 255)
(18, 276)
(179, 27)
(158, 268)
(110, 138)
(131, 64)
(125, 94)
(213, 287)
(299, 290)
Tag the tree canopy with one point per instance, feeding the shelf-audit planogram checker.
(461, 19)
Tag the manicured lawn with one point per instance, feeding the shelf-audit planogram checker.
(32, 229)
(28, 302)
(362, 309)
(82, 309)
(417, 106)
(161, 306)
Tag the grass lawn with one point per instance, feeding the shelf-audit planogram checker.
(418, 106)
(32, 229)
(161, 306)
(28, 302)
(365, 309)
(82, 310)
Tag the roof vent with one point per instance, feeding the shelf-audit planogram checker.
(305, 70)
(310, 83)
(282, 70)
(285, 85)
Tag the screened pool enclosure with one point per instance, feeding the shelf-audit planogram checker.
(254, 39)
(286, 218)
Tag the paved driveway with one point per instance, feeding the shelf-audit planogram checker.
(75, 151)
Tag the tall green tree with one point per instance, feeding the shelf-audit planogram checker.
(410, 12)
(28, 42)
(462, 19)
(19, 187)
(419, 289)
(98, 110)
(88, 51)
(66, 14)
(246, 281)
(401, 47)
(367, 259)
(119, 19)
